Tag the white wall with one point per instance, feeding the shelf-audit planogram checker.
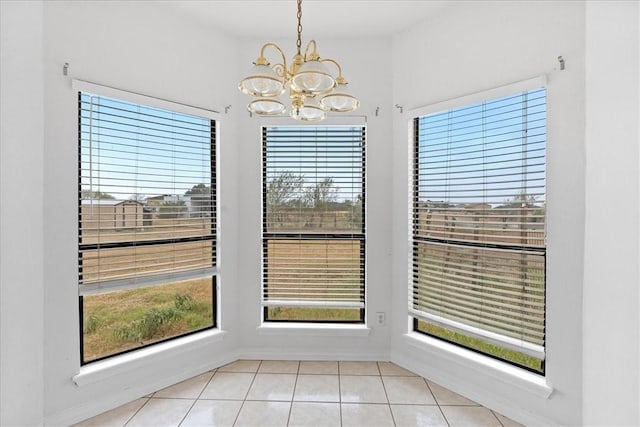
(364, 67)
(593, 297)
(467, 48)
(144, 48)
(610, 349)
(21, 212)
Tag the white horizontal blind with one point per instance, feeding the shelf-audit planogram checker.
(479, 220)
(313, 216)
(146, 194)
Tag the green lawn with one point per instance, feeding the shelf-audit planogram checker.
(123, 320)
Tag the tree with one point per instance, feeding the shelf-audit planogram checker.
(91, 194)
(200, 189)
(283, 188)
(320, 195)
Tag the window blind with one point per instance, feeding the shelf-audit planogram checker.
(478, 263)
(147, 195)
(313, 216)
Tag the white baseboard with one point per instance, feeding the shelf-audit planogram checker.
(296, 354)
(110, 401)
(474, 389)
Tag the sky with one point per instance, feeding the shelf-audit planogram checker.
(490, 152)
(131, 150)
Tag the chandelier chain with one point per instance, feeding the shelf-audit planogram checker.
(299, 41)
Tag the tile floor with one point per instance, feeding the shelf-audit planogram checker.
(290, 393)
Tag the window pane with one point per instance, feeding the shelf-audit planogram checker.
(298, 314)
(146, 224)
(314, 271)
(313, 223)
(497, 351)
(100, 265)
(479, 245)
(122, 320)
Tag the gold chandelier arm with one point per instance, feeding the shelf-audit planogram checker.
(314, 55)
(340, 80)
(275, 67)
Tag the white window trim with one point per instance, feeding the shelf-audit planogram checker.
(533, 382)
(474, 98)
(121, 363)
(96, 89)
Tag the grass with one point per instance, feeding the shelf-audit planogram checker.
(314, 314)
(482, 346)
(118, 321)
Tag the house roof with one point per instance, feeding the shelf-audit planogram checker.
(108, 202)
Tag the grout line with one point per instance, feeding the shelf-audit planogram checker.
(435, 399)
(197, 398)
(244, 400)
(340, 394)
(386, 395)
(136, 412)
(494, 414)
(293, 393)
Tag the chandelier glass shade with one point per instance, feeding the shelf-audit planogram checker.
(312, 88)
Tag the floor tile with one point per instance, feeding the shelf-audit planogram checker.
(228, 385)
(212, 413)
(464, 416)
(444, 396)
(272, 387)
(241, 366)
(317, 388)
(408, 390)
(262, 414)
(115, 417)
(418, 416)
(507, 422)
(359, 415)
(362, 389)
(161, 412)
(305, 414)
(391, 369)
(359, 368)
(279, 367)
(320, 367)
(189, 389)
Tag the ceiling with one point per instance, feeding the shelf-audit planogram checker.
(320, 18)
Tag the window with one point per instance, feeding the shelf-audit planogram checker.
(314, 223)
(147, 225)
(478, 257)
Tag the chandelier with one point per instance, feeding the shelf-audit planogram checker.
(313, 90)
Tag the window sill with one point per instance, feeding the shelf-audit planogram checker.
(314, 329)
(118, 365)
(527, 381)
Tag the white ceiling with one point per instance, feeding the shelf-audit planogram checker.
(320, 18)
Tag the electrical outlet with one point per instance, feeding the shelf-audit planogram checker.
(380, 320)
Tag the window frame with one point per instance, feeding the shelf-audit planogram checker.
(413, 177)
(81, 87)
(266, 236)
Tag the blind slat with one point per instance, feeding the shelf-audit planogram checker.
(313, 217)
(147, 195)
(478, 262)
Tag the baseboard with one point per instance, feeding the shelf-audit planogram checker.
(473, 390)
(296, 354)
(90, 409)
